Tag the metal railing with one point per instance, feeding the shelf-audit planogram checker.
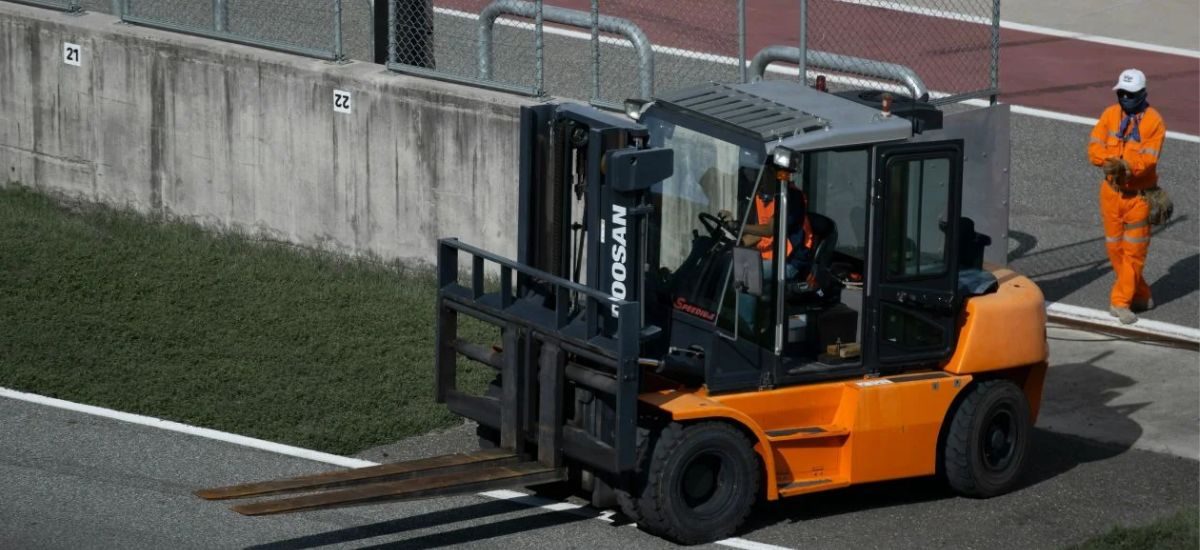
(842, 63)
(590, 20)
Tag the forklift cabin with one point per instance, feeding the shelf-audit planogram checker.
(877, 289)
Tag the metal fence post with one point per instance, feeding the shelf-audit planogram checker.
(392, 38)
(994, 73)
(219, 16)
(741, 7)
(338, 54)
(802, 60)
(595, 50)
(539, 69)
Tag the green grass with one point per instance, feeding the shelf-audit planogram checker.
(1178, 532)
(111, 308)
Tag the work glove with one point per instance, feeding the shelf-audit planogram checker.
(1116, 171)
(1160, 203)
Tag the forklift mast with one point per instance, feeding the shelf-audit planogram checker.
(572, 293)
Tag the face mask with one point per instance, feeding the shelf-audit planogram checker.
(1133, 104)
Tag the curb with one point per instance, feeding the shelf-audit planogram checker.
(1100, 320)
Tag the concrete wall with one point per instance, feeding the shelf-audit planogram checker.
(248, 138)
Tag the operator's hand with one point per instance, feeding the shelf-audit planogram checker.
(724, 215)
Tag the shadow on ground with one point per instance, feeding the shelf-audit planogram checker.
(448, 538)
(1063, 270)
(1179, 281)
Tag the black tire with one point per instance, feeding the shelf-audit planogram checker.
(699, 485)
(626, 490)
(986, 447)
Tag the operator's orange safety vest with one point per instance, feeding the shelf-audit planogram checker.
(1139, 144)
(766, 211)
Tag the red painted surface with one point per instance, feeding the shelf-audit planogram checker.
(1036, 70)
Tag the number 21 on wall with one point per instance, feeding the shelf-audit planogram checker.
(72, 54)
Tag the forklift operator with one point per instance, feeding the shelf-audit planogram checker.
(761, 235)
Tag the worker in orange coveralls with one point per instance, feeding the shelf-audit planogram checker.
(1126, 143)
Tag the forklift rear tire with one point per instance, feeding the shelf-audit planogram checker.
(698, 483)
(987, 445)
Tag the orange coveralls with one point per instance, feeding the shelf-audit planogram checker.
(1124, 212)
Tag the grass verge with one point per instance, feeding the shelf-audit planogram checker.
(1178, 532)
(110, 308)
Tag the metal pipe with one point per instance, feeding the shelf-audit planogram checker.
(994, 73)
(338, 54)
(392, 38)
(595, 25)
(842, 63)
(539, 45)
(220, 24)
(742, 69)
(802, 57)
(576, 18)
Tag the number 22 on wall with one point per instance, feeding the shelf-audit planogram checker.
(72, 54)
(342, 101)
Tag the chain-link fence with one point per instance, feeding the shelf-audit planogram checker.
(64, 5)
(608, 50)
(325, 29)
(952, 47)
(308, 27)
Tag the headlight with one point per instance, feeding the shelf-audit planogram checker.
(634, 107)
(782, 157)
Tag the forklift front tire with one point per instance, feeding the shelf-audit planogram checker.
(700, 483)
(987, 445)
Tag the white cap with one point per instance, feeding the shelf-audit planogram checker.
(1131, 80)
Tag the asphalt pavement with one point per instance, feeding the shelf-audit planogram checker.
(71, 480)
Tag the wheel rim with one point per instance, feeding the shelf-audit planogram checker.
(705, 483)
(998, 443)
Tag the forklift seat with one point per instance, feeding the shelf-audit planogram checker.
(820, 287)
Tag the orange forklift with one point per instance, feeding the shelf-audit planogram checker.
(734, 293)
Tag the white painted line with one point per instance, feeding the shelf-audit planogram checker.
(1101, 39)
(1149, 327)
(749, 544)
(1042, 113)
(918, 10)
(727, 60)
(328, 458)
(943, 14)
(583, 510)
(168, 425)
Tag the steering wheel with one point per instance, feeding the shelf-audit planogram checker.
(716, 227)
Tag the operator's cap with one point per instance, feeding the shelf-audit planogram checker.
(1131, 80)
